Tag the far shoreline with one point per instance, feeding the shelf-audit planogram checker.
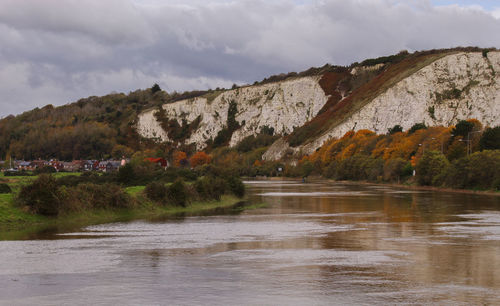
(394, 185)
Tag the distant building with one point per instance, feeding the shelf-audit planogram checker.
(109, 165)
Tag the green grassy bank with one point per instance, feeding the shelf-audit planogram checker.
(16, 223)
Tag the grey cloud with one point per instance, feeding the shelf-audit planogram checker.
(58, 51)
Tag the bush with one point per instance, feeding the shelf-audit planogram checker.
(457, 173)
(463, 128)
(484, 169)
(177, 194)
(156, 191)
(17, 173)
(45, 169)
(126, 174)
(394, 169)
(490, 140)
(41, 196)
(107, 195)
(210, 187)
(236, 186)
(431, 168)
(416, 127)
(395, 129)
(4, 188)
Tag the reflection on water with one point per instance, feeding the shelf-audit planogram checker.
(313, 244)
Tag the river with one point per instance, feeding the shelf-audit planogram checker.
(313, 244)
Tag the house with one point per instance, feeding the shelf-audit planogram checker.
(109, 165)
(102, 166)
(73, 166)
(38, 164)
(56, 164)
(113, 165)
(90, 165)
(25, 166)
(162, 162)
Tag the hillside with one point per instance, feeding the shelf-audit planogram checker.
(302, 110)
(94, 127)
(436, 89)
(280, 106)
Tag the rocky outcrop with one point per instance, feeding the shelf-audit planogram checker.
(457, 86)
(281, 105)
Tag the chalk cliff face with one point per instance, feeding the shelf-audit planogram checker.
(457, 86)
(282, 106)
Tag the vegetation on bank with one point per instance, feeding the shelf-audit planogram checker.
(464, 156)
(138, 190)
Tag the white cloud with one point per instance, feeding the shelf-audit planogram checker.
(496, 13)
(58, 51)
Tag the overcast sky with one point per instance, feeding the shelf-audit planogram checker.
(55, 51)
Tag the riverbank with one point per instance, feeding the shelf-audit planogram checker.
(16, 223)
(426, 188)
(394, 185)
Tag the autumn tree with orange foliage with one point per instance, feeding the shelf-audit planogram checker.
(200, 158)
(180, 158)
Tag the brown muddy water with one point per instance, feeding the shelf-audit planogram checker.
(314, 244)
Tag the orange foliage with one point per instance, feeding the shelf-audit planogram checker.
(200, 158)
(179, 158)
(257, 163)
(413, 161)
(304, 159)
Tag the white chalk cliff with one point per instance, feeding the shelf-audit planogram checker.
(456, 86)
(281, 105)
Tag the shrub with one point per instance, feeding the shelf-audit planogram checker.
(457, 173)
(41, 196)
(106, 195)
(45, 169)
(416, 127)
(177, 194)
(431, 168)
(17, 173)
(156, 191)
(126, 174)
(394, 169)
(483, 169)
(4, 188)
(236, 186)
(490, 140)
(211, 187)
(463, 128)
(395, 129)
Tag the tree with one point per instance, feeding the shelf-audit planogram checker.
(120, 151)
(199, 158)
(180, 158)
(463, 128)
(484, 169)
(416, 127)
(395, 168)
(42, 196)
(155, 88)
(177, 193)
(431, 168)
(490, 140)
(395, 129)
(126, 174)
